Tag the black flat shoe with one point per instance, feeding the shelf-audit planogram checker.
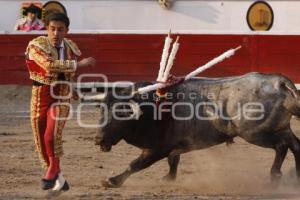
(66, 186)
(55, 193)
(48, 183)
(61, 184)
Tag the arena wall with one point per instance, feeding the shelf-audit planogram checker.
(127, 36)
(136, 56)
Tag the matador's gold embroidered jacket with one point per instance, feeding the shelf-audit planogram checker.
(43, 64)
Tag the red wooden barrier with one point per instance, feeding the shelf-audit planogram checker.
(136, 56)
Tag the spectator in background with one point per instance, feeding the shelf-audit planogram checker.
(30, 21)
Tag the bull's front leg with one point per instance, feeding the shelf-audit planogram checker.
(173, 161)
(146, 159)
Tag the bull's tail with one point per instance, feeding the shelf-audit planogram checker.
(292, 101)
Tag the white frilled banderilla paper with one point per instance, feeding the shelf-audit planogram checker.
(164, 57)
(165, 67)
(171, 60)
(211, 63)
(200, 69)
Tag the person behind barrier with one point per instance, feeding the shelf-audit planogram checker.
(30, 21)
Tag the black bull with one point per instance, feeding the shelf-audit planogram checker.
(200, 113)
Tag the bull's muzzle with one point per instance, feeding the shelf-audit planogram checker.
(104, 146)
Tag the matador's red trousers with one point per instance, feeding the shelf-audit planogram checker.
(49, 111)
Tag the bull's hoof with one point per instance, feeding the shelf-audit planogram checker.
(275, 177)
(108, 183)
(169, 177)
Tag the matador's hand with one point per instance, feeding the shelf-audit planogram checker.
(86, 62)
(75, 95)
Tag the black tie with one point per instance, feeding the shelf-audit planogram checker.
(58, 51)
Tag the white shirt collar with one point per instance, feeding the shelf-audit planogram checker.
(62, 45)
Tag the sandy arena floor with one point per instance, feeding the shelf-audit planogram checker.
(240, 171)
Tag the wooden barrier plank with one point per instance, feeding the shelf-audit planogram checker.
(137, 56)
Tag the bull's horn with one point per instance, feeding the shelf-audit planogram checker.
(137, 112)
(97, 97)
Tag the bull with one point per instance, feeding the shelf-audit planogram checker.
(199, 113)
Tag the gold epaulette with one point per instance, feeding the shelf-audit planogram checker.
(41, 42)
(74, 48)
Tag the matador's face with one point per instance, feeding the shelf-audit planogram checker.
(56, 32)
